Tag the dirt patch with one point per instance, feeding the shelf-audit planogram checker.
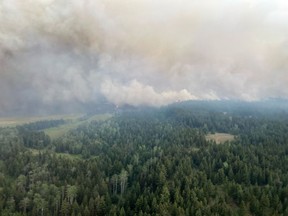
(220, 137)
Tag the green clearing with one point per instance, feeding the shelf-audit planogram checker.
(220, 137)
(63, 155)
(13, 121)
(72, 121)
(59, 131)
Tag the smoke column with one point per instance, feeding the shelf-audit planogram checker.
(65, 53)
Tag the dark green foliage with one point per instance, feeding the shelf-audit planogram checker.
(153, 162)
(41, 125)
(32, 135)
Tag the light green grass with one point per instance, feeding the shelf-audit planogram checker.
(72, 121)
(14, 121)
(220, 137)
(59, 131)
(69, 156)
(64, 155)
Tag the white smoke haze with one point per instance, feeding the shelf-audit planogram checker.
(129, 94)
(141, 52)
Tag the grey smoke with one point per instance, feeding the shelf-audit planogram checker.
(142, 52)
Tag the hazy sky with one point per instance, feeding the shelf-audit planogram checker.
(153, 52)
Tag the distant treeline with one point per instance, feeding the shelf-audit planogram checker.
(273, 108)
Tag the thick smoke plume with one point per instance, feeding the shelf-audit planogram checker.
(59, 53)
(130, 94)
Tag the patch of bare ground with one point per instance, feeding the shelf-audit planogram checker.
(220, 137)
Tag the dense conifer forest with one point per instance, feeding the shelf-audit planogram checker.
(150, 161)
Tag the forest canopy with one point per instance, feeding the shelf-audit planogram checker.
(151, 161)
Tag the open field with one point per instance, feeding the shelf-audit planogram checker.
(36, 152)
(13, 121)
(64, 155)
(56, 132)
(220, 137)
(72, 121)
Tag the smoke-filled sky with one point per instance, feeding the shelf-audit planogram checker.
(57, 53)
